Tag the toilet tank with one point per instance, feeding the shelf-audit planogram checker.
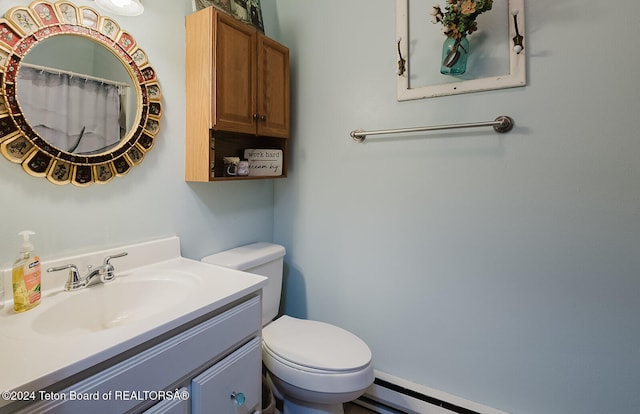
(265, 259)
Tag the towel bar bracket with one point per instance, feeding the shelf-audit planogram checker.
(357, 135)
(503, 124)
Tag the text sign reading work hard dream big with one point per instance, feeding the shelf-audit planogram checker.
(264, 162)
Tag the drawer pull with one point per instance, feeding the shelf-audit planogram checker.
(239, 398)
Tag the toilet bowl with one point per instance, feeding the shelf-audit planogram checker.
(314, 366)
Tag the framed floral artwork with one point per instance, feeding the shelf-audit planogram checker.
(496, 54)
(247, 11)
(224, 5)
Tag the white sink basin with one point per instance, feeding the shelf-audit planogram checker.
(116, 303)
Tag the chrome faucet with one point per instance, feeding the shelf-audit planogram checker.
(103, 273)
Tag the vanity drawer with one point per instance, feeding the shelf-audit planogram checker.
(232, 385)
(124, 385)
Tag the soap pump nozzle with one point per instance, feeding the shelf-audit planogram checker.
(26, 245)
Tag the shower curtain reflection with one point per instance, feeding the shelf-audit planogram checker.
(73, 114)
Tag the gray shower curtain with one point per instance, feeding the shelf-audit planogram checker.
(71, 113)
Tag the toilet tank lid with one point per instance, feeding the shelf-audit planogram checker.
(247, 257)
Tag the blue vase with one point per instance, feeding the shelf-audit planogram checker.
(454, 56)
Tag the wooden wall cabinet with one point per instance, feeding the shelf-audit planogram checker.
(237, 93)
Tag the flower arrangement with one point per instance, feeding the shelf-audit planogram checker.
(459, 17)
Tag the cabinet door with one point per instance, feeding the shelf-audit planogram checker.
(235, 76)
(273, 88)
(232, 386)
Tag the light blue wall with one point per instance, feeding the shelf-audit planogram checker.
(503, 269)
(153, 200)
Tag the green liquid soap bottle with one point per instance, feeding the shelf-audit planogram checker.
(26, 277)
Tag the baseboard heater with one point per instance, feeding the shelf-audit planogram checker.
(393, 395)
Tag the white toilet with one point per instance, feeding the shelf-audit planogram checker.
(314, 366)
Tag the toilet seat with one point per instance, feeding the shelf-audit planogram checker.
(316, 356)
(315, 346)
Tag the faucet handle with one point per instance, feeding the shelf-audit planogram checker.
(74, 281)
(107, 260)
(108, 267)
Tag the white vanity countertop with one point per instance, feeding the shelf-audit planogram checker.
(31, 360)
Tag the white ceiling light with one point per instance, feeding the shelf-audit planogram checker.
(122, 7)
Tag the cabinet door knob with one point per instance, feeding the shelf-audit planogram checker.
(239, 398)
(263, 118)
(255, 117)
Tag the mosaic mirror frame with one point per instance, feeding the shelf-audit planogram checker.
(24, 27)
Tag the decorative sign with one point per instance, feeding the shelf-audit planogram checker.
(264, 162)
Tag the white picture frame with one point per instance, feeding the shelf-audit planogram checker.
(446, 85)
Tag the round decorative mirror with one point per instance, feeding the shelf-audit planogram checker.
(79, 101)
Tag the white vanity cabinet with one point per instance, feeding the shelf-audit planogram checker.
(211, 365)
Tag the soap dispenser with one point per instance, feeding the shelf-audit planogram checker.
(26, 276)
(1, 289)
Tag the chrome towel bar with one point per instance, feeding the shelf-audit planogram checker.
(501, 124)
